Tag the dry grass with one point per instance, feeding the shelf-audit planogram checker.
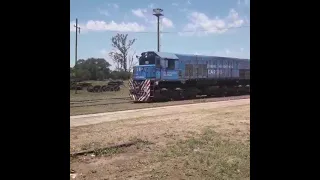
(198, 145)
(206, 156)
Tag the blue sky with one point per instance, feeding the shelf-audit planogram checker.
(207, 27)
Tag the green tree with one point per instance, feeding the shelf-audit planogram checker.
(120, 75)
(123, 46)
(92, 68)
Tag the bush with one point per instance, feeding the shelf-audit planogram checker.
(120, 75)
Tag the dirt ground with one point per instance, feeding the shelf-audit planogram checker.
(210, 142)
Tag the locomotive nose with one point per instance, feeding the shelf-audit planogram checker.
(134, 91)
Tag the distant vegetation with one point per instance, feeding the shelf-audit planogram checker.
(99, 68)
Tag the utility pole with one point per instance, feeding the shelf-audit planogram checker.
(76, 53)
(158, 12)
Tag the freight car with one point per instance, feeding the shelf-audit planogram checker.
(170, 76)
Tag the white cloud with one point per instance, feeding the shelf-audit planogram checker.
(189, 2)
(201, 24)
(164, 23)
(114, 5)
(235, 20)
(243, 3)
(150, 19)
(92, 25)
(139, 12)
(225, 53)
(72, 28)
(167, 22)
(175, 4)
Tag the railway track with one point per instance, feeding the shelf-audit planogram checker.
(127, 100)
(100, 104)
(97, 100)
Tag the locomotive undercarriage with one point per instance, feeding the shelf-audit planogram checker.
(152, 90)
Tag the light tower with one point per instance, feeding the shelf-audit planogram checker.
(158, 12)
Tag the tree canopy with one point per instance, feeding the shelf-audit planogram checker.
(99, 68)
(96, 69)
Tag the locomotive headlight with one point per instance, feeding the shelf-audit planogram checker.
(156, 83)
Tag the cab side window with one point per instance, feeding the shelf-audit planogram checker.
(157, 61)
(171, 63)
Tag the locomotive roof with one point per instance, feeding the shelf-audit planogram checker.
(166, 55)
(218, 57)
(175, 56)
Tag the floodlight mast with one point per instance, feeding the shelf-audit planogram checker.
(158, 12)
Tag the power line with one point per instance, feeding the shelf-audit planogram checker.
(172, 32)
(205, 30)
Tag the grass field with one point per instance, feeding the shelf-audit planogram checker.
(195, 144)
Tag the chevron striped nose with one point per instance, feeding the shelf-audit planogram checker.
(139, 91)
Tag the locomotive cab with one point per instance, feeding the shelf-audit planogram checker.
(155, 65)
(154, 70)
(146, 68)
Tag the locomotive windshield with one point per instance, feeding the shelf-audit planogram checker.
(147, 58)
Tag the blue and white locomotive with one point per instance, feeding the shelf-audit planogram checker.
(161, 75)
